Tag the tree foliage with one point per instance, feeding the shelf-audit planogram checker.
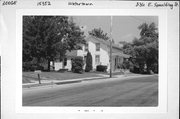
(144, 49)
(99, 33)
(46, 38)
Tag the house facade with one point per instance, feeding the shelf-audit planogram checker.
(100, 51)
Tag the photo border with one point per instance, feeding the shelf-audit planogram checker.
(162, 82)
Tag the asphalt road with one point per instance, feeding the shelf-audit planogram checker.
(140, 91)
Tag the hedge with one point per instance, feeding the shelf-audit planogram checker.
(101, 68)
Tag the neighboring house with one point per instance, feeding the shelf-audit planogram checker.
(100, 51)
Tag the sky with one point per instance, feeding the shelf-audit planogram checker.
(124, 28)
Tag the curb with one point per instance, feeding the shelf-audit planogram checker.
(73, 81)
(61, 82)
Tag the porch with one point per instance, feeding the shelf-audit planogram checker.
(117, 61)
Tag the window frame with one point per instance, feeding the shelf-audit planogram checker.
(86, 47)
(98, 46)
(97, 59)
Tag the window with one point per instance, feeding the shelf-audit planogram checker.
(65, 62)
(97, 59)
(97, 46)
(86, 47)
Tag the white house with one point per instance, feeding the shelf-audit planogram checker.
(100, 51)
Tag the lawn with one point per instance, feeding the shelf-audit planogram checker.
(29, 77)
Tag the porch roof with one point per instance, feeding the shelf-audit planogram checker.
(71, 54)
(120, 54)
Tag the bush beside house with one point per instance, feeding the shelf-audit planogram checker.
(88, 67)
(126, 64)
(101, 68)
(77, 65)
(142, 69)
(62, 70)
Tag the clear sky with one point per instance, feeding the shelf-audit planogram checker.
(125, 28)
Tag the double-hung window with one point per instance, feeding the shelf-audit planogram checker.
(97, 59)
(86, 47)
(97, 46)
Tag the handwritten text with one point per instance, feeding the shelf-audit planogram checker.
(170, 5)
(9, 3)
(80, 3)
(44, 3)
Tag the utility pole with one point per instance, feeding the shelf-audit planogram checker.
(110, 75)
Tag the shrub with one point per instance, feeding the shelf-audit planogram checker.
(126, 65)
(88, 62)
(77, 65)
(101, 68)
(155, 68)
(62, 70)
(40, 68)
(134, 68)
(29, 66)
(139, 69)
(26, 66)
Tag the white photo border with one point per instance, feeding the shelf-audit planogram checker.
(162, 81)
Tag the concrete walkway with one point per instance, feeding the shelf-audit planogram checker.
(52, 82)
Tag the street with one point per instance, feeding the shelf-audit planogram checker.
(132, 91)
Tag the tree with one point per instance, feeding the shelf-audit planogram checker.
(46, 38)
(88, 62)
(38, 36)
(72, 39)
(144, 49)
(99, 33)
(148, 48)
(127, 47)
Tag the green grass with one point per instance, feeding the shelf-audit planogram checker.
(30, 76)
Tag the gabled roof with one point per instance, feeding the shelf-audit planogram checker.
(73, 53)
(121, 55)
(103, 41)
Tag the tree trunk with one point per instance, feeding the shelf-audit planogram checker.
(48, 65)
(53, 66)
(63, 63)
(148, 66)
(38, 63)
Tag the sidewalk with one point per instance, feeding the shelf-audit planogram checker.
(60, 82)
